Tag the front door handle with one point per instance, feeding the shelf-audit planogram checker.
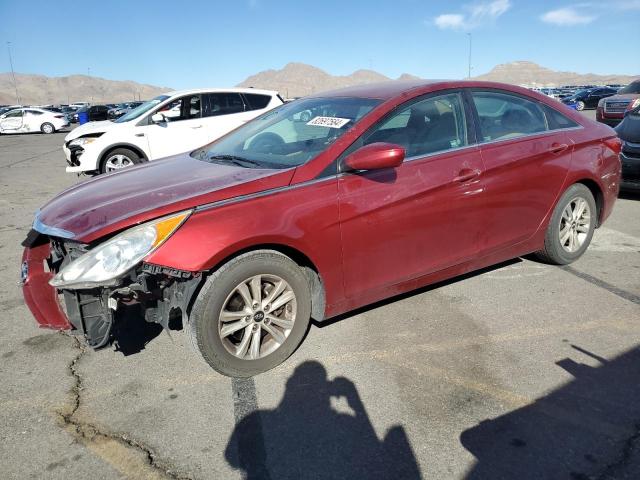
(466, 174)
(196, 126)
(558, 148)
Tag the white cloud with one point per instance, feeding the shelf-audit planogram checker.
(449, 20)
(474, 15)
(567, 17)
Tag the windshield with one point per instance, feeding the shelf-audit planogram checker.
(145, 107)
(289, 135)
(631, 88)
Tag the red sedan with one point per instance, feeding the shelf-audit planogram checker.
(318, 207)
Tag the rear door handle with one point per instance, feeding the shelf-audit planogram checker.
(558, 148)
(139, 134)
(196, 126)
(466, 174)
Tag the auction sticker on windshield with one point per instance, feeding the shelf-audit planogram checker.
(331, 122)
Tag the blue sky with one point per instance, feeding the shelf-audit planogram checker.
(220, 43)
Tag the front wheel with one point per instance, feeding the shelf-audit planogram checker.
(580, 106)
(251, 314)
(47, 128)
(571, 226)
(118, 159)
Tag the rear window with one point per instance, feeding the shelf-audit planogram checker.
(256, 101)
(633, 87)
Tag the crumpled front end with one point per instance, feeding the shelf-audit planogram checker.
(162, 292)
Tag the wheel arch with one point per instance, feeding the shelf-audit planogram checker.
(137, 150)
(597, 193)
(316, 284)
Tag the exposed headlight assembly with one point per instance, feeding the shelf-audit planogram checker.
(102, 265)
(82, 141)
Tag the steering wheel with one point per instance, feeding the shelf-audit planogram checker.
(265, 142)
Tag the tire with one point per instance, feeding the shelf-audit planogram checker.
(221, 291)
(123, 156)
(580, 106)
(47, 128)
(562, 250)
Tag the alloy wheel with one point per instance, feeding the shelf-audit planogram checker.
(257, 316)
(575, 224)
(117, 162)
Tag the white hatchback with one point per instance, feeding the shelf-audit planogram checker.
(28, 120)
(167, 125)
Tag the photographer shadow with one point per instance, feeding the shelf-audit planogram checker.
(306, 437)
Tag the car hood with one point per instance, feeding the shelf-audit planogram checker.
(629, 129)
(91, 127)
(624, 96)
(108, 203)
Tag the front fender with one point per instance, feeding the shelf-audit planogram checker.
(300, 217)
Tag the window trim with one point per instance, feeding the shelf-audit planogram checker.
(476, 117)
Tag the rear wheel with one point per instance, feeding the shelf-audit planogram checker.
(571, 226)
(47, 128)
(118, 159)
(580, 106)
(251, 314)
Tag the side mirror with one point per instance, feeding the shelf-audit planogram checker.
(158, 118)
(375, 156)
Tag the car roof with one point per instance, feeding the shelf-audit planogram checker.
(217, 89)
(393, 88)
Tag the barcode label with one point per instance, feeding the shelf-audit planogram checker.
(331, 122)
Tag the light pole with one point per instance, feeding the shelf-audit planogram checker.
(13, 75)
(469, 74)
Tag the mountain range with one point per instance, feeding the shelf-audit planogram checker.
(42, 90)
(293, 80)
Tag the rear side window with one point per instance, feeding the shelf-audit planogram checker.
(256, 101)
(503, 116)
(222, 104)
(556, 120)
(34, 112)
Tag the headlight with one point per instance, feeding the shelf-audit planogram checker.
(109, 260)
(81, 142)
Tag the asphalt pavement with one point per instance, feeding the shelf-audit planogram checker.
(523, 371)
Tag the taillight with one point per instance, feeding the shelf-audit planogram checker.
(614, 144)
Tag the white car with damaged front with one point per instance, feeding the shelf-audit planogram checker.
(32, 119)
(169, 124)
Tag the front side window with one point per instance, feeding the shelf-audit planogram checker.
(222, 103)
(503, 116)
(428, 126)
(289, 135)
(185, 108)
(13, 114)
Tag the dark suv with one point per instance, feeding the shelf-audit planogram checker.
(589, 97)
(612, 109)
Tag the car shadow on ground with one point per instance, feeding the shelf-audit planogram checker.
(413, 293)
(319, 430)
(586, 429)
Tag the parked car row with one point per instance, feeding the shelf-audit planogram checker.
(312, 209)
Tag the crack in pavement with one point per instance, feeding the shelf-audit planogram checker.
(612, 470)
(111, 447)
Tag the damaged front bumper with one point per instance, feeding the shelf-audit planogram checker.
(162, 292)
